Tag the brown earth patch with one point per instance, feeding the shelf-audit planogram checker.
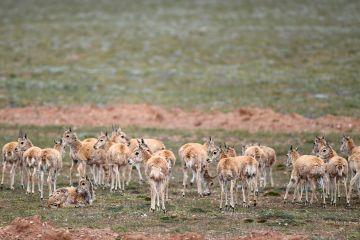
(34, 228)
(251, 119)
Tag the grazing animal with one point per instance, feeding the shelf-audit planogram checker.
(306, 169)
(81, 196)
(336, 170)
(232, 169)
(51, 163)
(157, 173)
(12, 159)
(81, 152)
(31, 156)
(194, 156)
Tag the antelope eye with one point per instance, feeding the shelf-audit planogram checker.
(101, 140)
(136, 153)
(83, 184)
(22, 143)
(122, 136)
(67, 136)
(214, 152)
(324, 150)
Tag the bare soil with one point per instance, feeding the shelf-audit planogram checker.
(251, 119)
(34, 228)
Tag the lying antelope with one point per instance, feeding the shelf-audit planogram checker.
(80, 196)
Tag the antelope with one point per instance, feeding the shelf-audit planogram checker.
(50, 162)
(349, 148)
(336, 170)
(11, 158)
(154, 145)
(260, 155)
(194, 156)
(80, 196)
(319, 142)
(306, 168)
(157, 173)
(231, 169)
(31, 156)
(81, 152)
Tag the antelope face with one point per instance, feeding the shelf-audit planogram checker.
(85, 186)
(60, 145)
(69, 136)
(325, 152)
(120, 137)
(344, 148)
(319, 142)
(214, 154)
(23, 144)
(136, 156)
(291, 156)
(230, 151)
(101, 141)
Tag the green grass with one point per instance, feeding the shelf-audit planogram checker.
(130, 211)
(292, 56)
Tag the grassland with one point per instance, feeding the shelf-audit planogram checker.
(292, 56)
(129, 212)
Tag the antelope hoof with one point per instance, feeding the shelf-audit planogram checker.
(232, 208)
(1, 186)
(220, 209)
(164, 210)
(22, 186)
(257, 193)
(152, 209)
(12, 188)
(324, 205)
(41, 198)
(191, 183)
(255, 203)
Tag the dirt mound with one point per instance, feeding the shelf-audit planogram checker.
(251, 119)
(34, 228)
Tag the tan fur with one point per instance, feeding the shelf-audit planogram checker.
(157, 173)
(336, 170)
(80, 196)
(261, 157)
(31, 158)
(193, 156)
(117, 156)
(319, 142)
(12, 159)
(81, 153)
(51, 163)
(306, 168)
(170, 158)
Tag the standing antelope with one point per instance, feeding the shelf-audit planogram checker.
(336, 170)
(31, 157)
(231, 169)
(11, 158)
(51, 163)
(120, 137)
(157, 173)
(194, 156)
(81, 152)
(306, 168)
(349, 148)
(260, 155)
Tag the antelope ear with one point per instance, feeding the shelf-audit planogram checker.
(106, 133)
(291, 147)
(55, 141)
(112, 127)
(86, 177)
(70, 130)
(138, 141)
(20, 133)
(210, 139)
(61, 140)
(142, 141)
(297, 148)
(25, 136)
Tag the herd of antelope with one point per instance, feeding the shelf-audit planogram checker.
(111, 158)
